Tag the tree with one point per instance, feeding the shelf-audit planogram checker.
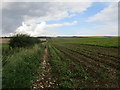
(23, 40)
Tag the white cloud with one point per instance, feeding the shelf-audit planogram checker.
(59, 25)
(4, 5)
(40, 29)
(30, 13)
(60, 0)
(109, 21)
(108, 29)
(109, 14)
(16, 12)
(57, 11)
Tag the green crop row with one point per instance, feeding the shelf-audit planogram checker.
(95, 55)
(95, 62)
(101, 63)
(69, 73)
(59, 69)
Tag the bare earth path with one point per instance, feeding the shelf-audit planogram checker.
(45, 79)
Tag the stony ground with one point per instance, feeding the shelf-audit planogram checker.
(45, 79)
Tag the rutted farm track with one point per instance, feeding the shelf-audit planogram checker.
(45, 79)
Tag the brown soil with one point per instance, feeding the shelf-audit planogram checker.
(45, 79)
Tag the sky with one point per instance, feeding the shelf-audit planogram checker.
(60, 18)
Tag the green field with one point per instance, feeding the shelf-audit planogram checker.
(82, 62)
(4, 45)
(107, 41)
(63, 63)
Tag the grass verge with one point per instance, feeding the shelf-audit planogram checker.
(20, 71)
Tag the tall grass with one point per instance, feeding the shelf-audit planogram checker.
(20, 70)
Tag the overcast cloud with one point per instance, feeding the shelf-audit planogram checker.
(45, 18)
(15, 13)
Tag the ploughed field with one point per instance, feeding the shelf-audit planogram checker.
(85, 62)
(63, 63)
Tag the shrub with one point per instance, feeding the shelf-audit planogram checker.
(22, 40)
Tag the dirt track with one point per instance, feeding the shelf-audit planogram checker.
(45, 79)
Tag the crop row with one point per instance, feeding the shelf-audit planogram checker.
(69, 73)
(105, 59)
(101, 74)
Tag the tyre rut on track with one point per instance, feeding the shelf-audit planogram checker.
(45, 79)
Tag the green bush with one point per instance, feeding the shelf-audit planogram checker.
(22, 40)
